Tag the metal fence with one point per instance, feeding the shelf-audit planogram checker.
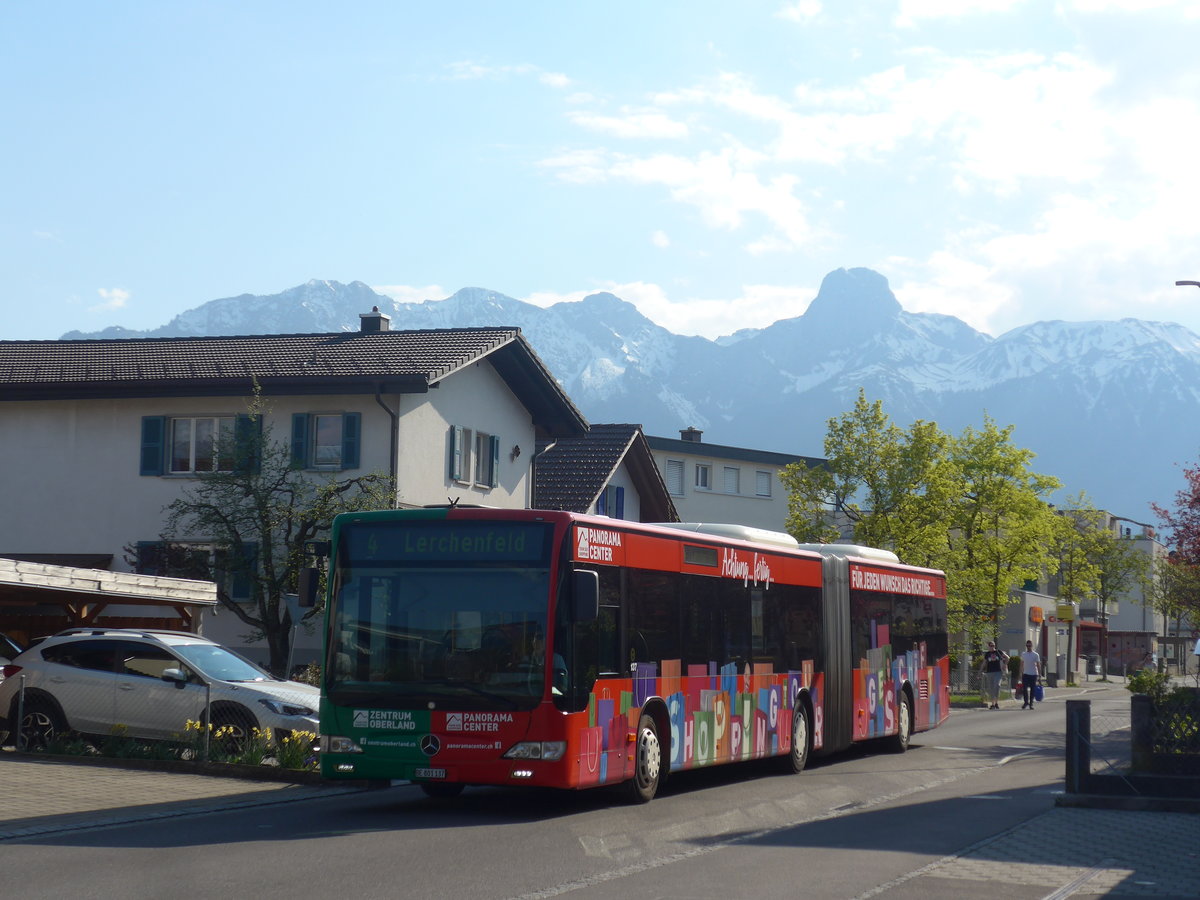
(170, 714)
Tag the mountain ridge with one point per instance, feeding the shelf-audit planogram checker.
(1111, 408)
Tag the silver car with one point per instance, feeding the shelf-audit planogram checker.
(145, 684)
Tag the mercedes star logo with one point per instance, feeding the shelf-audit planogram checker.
(430, 744)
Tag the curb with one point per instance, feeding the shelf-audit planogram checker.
(182, 767)
(1135, 804)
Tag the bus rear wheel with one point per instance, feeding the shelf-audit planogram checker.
(898, 742)
(647, 763)
(798, 757)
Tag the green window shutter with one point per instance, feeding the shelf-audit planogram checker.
(456, 453)
(154, 441)
(351, 439)
(149, 557)
(494, 475)
(247, 436)
(241, 580)
(300, 440)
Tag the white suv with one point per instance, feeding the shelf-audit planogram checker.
(147, 683)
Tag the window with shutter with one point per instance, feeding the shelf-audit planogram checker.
(762, 484)
(675, 477)
(733, 478)
(326, 440)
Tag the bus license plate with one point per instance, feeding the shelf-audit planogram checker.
(430, 773)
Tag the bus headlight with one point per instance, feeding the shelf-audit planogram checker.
(547, 750)
(335, 743)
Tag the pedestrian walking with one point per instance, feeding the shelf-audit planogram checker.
(1031, 669)
(993, 668)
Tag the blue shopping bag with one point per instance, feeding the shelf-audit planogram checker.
(1037, 692)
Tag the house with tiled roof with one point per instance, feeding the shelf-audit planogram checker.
(608, 471)
(99, 436)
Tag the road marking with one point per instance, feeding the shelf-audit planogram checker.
(961, 749)
(1071, 887)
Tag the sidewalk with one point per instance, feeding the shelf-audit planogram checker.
(44, 796)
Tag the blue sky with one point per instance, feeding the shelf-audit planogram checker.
(1003, 161)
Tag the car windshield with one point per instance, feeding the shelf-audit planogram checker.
(221, 664)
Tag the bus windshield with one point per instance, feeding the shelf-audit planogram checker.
(446, 616)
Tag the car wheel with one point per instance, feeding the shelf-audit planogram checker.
(647, 764)
(232, 728)
(41, 724)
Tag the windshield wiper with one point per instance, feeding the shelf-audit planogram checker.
(474, 689)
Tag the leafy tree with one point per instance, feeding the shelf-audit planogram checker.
(968, 505)
(1077, 542)
(887, 483)
(1179, 593)
(261, 513)
(1173, 590)
(1000, 530)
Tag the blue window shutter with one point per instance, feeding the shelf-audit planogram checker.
(494, 478)
(602, 503)
(351, 431)
(247, 431)
(300, 440)
(620, 504)
(240, 580)
(154, 440)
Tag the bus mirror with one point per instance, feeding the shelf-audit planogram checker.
(306, 586)
(586, 586)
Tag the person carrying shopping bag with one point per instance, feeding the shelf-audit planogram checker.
(1031, 669)
(993, 668)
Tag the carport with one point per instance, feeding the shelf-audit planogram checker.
(38, 599)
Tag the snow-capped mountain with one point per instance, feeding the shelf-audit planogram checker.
(1111, 408)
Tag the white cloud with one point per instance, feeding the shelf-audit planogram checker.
(910, 11)
(114, 298)
(757, 306)
(800, 10)
(470, 70)
(404, 293)
(632, 124)
(660, 239)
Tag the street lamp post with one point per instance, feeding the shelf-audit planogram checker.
(1182, 283)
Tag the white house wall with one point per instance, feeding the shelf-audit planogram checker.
(632, 510)
(480, 400)
(715, 505)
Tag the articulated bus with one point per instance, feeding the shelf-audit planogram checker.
(469, 646)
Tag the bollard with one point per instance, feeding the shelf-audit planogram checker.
(1079, 745)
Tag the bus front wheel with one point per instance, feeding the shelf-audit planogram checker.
(647, 762)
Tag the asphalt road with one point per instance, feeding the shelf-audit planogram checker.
(855, 825)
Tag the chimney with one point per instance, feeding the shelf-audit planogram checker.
(690, 434)
(374, 321)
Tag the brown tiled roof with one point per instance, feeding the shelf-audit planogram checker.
(345, 362)
(572, 472)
